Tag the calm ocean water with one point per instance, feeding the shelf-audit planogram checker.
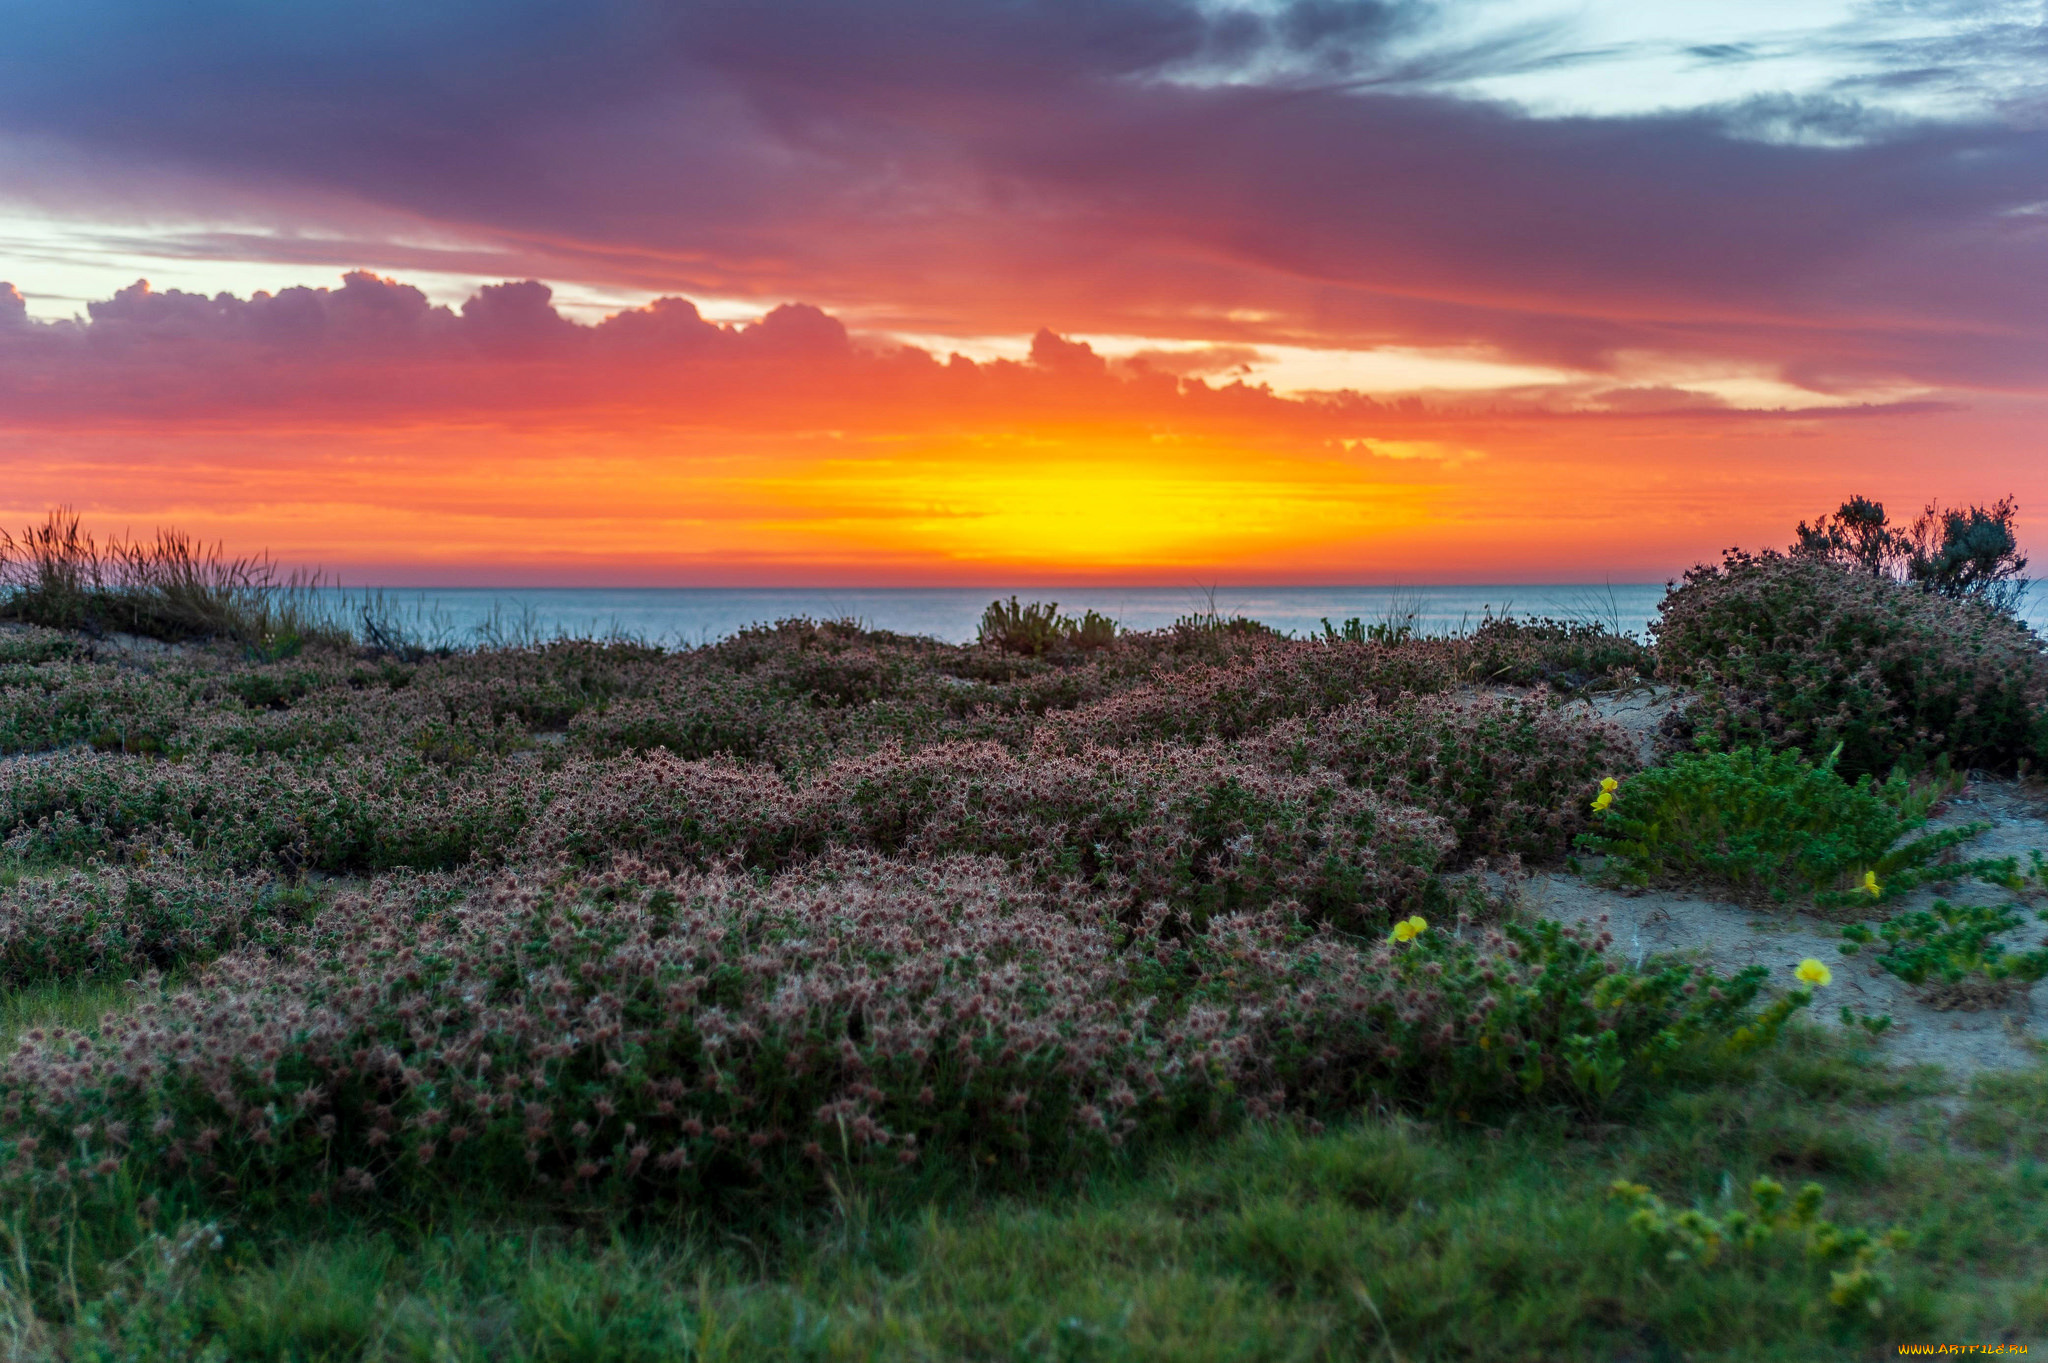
(695, 615)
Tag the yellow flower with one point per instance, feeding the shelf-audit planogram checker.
(1602, 800)
(1609, 785)
(1870, 885)
(1409, 929)
(1813, 972)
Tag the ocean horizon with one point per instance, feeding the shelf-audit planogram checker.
(681, 616)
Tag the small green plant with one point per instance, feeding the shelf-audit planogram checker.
(1877, 1025)
(1357, 631)
(1953, 954)
(1771, 826)
(2005, 873)
(1039, 628)
(1851, 1258)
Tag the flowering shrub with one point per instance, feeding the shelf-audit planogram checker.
(1801, 652)
(51, 704)
(1508, 775)
(633, 1034)
(36, 644)
(1769, 826)
(1190, 827)
(1568, 654)
(1266, 681)
(698, 716)
(121, 922)
(364, 811)
(1953, 953)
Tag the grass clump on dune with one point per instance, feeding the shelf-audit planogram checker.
(172, 587)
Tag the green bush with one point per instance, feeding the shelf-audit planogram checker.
(1770, 826)
(1803, 652)
(1952, 552)
(1040, 628)
(1772, 1226)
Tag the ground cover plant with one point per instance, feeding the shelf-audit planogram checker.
(1501, 771)
(119, 923)
(827, 992)
(1954, 952)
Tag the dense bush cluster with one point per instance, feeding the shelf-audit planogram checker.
(362, 810)
(622, 924)
(1803, 652)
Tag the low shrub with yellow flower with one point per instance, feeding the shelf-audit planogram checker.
(1772, 1224)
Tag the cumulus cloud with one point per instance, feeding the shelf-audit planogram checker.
(376, 350)
(1295, 173)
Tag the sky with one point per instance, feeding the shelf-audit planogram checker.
(956, 291)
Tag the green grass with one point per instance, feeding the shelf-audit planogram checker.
(56, 1004)
(1383, 1238)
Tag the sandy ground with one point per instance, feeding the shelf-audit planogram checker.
(1728, 937)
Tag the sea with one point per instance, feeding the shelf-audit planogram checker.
(686, 616)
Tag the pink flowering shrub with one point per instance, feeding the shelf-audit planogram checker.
(701, 715)
(50, 704)
(1569, 655)
(1804, 653)
(1269, 680)
(35, 644)
(361, 811)
(1511, 777)
(1188, 826)
(634, 1034)
(123, 922)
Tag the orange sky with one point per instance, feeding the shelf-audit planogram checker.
(1014, 291)
(792, 453)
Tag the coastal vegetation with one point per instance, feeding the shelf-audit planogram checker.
(1078, 993)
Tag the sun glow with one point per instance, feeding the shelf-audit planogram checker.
(1094, 500)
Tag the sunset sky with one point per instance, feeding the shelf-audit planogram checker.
(1063, 291)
